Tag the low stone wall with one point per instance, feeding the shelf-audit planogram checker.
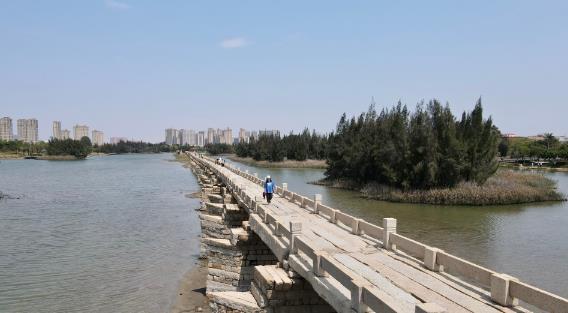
(275, 291)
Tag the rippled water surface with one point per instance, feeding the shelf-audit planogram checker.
(107, 234)
(528, 241)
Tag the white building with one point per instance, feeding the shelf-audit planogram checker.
(187, 137)
(56, 130)
(273, 132)
(6, 129)
(115, 140)
(171, 136)
(65, 134)
(80, 131)
(192, 138)
(244, 136)
(226, 136)
(98, 137)
(201, 139)
(28, 130)
(210, 136)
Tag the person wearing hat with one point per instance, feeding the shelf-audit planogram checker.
(268, 189)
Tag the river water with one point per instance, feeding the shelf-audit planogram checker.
(107, 234)
(527, 241)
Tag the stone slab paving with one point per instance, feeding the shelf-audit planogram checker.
(396, 275)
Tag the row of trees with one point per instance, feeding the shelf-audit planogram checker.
(427, 148)
(549, 148)
(219, 148)
(77, 148)
(299, 147)
(135, 147)
(22, 148)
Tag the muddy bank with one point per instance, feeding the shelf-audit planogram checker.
(191, 292)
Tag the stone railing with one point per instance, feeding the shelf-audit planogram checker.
(504, 289)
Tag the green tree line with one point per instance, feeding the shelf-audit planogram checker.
(77, 148)
(549, 148)
(272, 148)
(424, 149)
(135, 147)
(22, 148)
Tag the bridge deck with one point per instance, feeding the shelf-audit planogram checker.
(401, 280)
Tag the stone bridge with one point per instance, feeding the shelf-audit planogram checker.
(299, 255)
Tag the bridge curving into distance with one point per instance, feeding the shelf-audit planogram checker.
(299, 255)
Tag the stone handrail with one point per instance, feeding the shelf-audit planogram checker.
(505, 290)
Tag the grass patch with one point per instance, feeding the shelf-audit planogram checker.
(505, 187)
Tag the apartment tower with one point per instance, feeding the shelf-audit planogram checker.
(56, 130)
(28, 130)
(6, 129)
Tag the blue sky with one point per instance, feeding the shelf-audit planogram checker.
(133, 67)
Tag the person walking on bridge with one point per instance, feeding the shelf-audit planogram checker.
(268, 189)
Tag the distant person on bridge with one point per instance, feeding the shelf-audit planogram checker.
(268, 189)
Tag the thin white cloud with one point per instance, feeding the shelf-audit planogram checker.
(117, 5)
(234, 42)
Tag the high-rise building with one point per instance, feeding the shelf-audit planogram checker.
(210, 136)
(227, 135)
(28, 130)
(171, 136)
(201, 139)
(56, 130)
(243, 135)
(192, 138)
(6, 129)
(80, 131)
(187, 137)
(98, 137)
(254, 135)
(115, 140)
(274, 132)
(65, 134)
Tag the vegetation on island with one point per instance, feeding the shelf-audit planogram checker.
(80, 149)
(425, 149)
(428, 156)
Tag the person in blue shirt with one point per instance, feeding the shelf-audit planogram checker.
(269, 187)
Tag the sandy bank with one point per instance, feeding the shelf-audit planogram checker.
(191, 292)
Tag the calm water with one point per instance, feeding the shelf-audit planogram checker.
(526, 241)
(108, 234)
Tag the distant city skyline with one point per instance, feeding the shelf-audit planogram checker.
(285, 66)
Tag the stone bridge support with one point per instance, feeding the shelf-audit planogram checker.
(244, 275)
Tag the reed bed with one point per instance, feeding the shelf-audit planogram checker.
(505, 187)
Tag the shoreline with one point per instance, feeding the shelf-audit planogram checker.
(537, 168)
(191, 291)
(504, 188)
(313, 164)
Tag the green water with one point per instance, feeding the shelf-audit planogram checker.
(527, 241)
(107, 234)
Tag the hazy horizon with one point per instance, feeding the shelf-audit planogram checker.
(132, 68)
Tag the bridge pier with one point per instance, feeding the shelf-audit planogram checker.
(244, 274)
